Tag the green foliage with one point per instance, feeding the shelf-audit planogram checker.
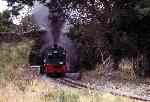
(6, 23)
(124, 23)
(136, 23)
(13, 54)
(91, 42)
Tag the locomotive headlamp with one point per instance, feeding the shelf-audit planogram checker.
(61, 62)
(55, 51)
(64, 53)
(50, 54)
(44, 60)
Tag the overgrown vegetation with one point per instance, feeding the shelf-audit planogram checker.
(18, 84)
(6, 23)
(13, 55)
(117, 28)
(102, 29)
(39, 91)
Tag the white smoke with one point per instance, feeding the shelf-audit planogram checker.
(40, 15)
(54, 33)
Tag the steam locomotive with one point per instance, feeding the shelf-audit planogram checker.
(54, 61)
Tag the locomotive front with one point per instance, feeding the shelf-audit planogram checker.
(54, 61)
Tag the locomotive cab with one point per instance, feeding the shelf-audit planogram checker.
(54, 61)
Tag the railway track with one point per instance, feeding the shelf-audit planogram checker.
(80, 85)
(73, 83)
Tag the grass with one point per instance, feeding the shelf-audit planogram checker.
(18, 85)
(126, 70)
(39, 91)
(12, 55)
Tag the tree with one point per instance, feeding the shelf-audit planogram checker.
(133, 18)
(6, 23)
(124, 23)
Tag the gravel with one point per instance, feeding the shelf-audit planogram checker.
(134, 88)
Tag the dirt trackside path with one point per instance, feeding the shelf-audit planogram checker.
(113, 82)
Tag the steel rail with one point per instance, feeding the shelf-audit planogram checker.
(81, 85)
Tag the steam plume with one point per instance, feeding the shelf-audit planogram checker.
(53, 24)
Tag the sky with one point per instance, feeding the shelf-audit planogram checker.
(3, 5)
(16, 20)
(24, 12)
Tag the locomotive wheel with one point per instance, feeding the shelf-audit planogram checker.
(42, 71)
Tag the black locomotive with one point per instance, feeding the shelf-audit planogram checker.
(53, 61)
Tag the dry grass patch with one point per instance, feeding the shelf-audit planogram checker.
(11, 56)
(39, 91)
(125, 72)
